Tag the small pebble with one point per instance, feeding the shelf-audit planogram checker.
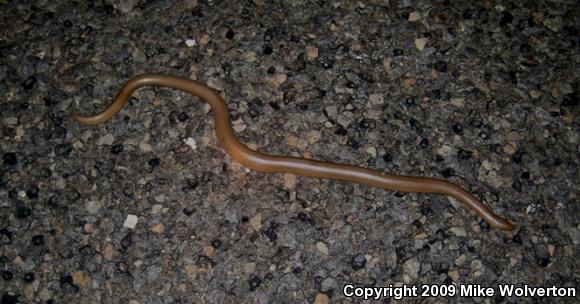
(116, 148)
(29, 83)
(230, 34)
(190, 42)
(28, 277)
(7, 275)
(267, 50)
(358, 262)
(38, 240)
(10, 159)
(420, 43)
(130, 221)
(254, 283)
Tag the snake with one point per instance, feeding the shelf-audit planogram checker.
(267, 163)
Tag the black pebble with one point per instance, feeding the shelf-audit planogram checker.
(358, 262)
(28, 277)
(10, 299)
(341, 131)
(271, 232)
(424, 143)
(387, 157)
(254, 283)
(63, 149)
(525, 175)
(117, 148)
(425, 210)
(192, 184)
(230, 34)
(188, 211)
(397, 52)
(32, 192)
(66, 280)
(38, 240)
(464, 154)
(506, 19)
(127, 241)
(23, 212)
(517, 157)
(351, 85)
(447, 172)
(267, 50)
(216, 243)
(483, 135)
(7, 275)
(411, 101)
(271, 70)
(353, 143)
(542, 262)
(10, 159)
(364, 124)
(458, 129)
(68, 23)
(29, 83)
(154, 162)
(571, 100)
(441, 66)
(182, 116)
(414, 123)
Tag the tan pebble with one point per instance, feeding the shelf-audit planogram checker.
(292, 141)
(145, 147)
(68, 86)
(454, 275)
(311, 52)
(414, 16)
(458, 102)
(483, 86)
(159, 228)
(80, 278)
(88, 228)
(106, 140)
(321, 298)
(372, 151)
(535, 94)
(289, 181)
(110, 252)
(204, 39)
(376, 99)
(256, 222)
(250, 267)
(314, 136)
(551, 250)
(322, 248)
(420, 43)
(409, 82)
(208, 249)
(191, 271)
(28, 292)
(510, 148)
(421, 236)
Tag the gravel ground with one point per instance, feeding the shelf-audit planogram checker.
(149, 209)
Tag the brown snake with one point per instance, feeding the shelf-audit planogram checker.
(299, 166)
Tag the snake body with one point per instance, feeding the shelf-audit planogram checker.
(283, 164)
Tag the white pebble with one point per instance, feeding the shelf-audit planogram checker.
(190, 42)
(131, 221)
(191, 142)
